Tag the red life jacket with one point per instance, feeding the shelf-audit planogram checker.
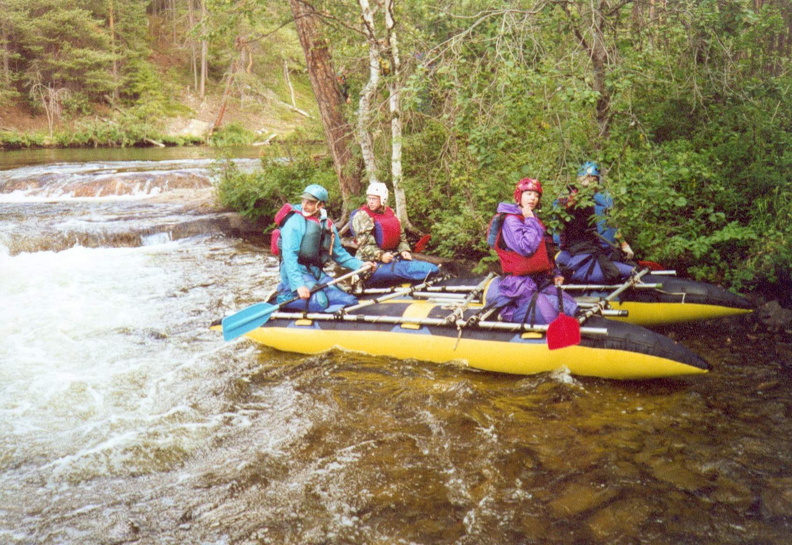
(387, 227)
(512, 262)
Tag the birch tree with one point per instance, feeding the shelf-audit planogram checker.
(384, 52)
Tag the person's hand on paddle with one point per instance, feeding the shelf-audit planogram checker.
(406, 255)
(558, 280)
(386, 257)
(304, 292)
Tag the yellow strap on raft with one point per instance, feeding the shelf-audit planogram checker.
(417, 311)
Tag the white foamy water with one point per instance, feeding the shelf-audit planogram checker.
(91, 370)
(106, 180)
(109, 371)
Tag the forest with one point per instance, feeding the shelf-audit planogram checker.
(685, 104)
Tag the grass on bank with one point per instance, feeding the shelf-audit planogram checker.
(115, 134)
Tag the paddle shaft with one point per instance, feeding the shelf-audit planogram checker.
(604, 287)
(256, 315)
(461, 290)
(320, 287)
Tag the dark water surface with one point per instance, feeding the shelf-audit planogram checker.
(124, 419)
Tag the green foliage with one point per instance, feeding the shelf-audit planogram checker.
(76, 105)
(232, 134)
(12, 140)
(126, 129)
(697, 144)
(692, 122)
(144, 87)
(259, 195)
(61, 46)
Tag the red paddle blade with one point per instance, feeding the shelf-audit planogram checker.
(421, 244)
(562, 332)
(652, 265)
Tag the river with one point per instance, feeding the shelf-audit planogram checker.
(125, 419)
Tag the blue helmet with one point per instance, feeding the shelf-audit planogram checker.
(589, 168)
(315, 192)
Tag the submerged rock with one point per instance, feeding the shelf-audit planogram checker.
(777, 498)
(775, 317)
(579, 498)
(675, 472)
(623, 518)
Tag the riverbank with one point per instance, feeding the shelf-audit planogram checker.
(195, 121)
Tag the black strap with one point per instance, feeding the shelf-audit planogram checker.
(531, 310)
(560, 300)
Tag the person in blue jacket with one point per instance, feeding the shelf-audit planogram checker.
(308, 242)
(592, 250)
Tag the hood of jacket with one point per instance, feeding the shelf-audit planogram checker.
(509, 208)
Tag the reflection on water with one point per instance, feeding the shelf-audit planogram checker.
(56, 156)
(124, 419)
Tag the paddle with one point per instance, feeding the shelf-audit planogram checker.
(565, 331)
(421, 244)
(257, 315)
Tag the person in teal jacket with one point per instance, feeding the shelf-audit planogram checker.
(308, 242)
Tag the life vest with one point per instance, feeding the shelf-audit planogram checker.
(511, 261)
(317, 242)
(387, 227)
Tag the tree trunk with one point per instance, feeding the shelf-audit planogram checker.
(193, 54)
(204, 52)
(226, 94)
(329, 98)
(113, 48)
(368, 93)
(599, 59)
(593, 20)
(394, 89)
(6, 52)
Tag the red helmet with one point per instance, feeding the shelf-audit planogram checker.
(527, 184)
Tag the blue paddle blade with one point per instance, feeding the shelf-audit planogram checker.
(247, 320)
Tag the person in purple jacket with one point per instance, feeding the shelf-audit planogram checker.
(527, 292)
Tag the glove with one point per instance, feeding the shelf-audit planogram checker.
(625, 248)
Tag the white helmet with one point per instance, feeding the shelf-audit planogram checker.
(379, 189)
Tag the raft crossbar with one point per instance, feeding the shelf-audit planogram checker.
(397, 320)
(455, 291)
